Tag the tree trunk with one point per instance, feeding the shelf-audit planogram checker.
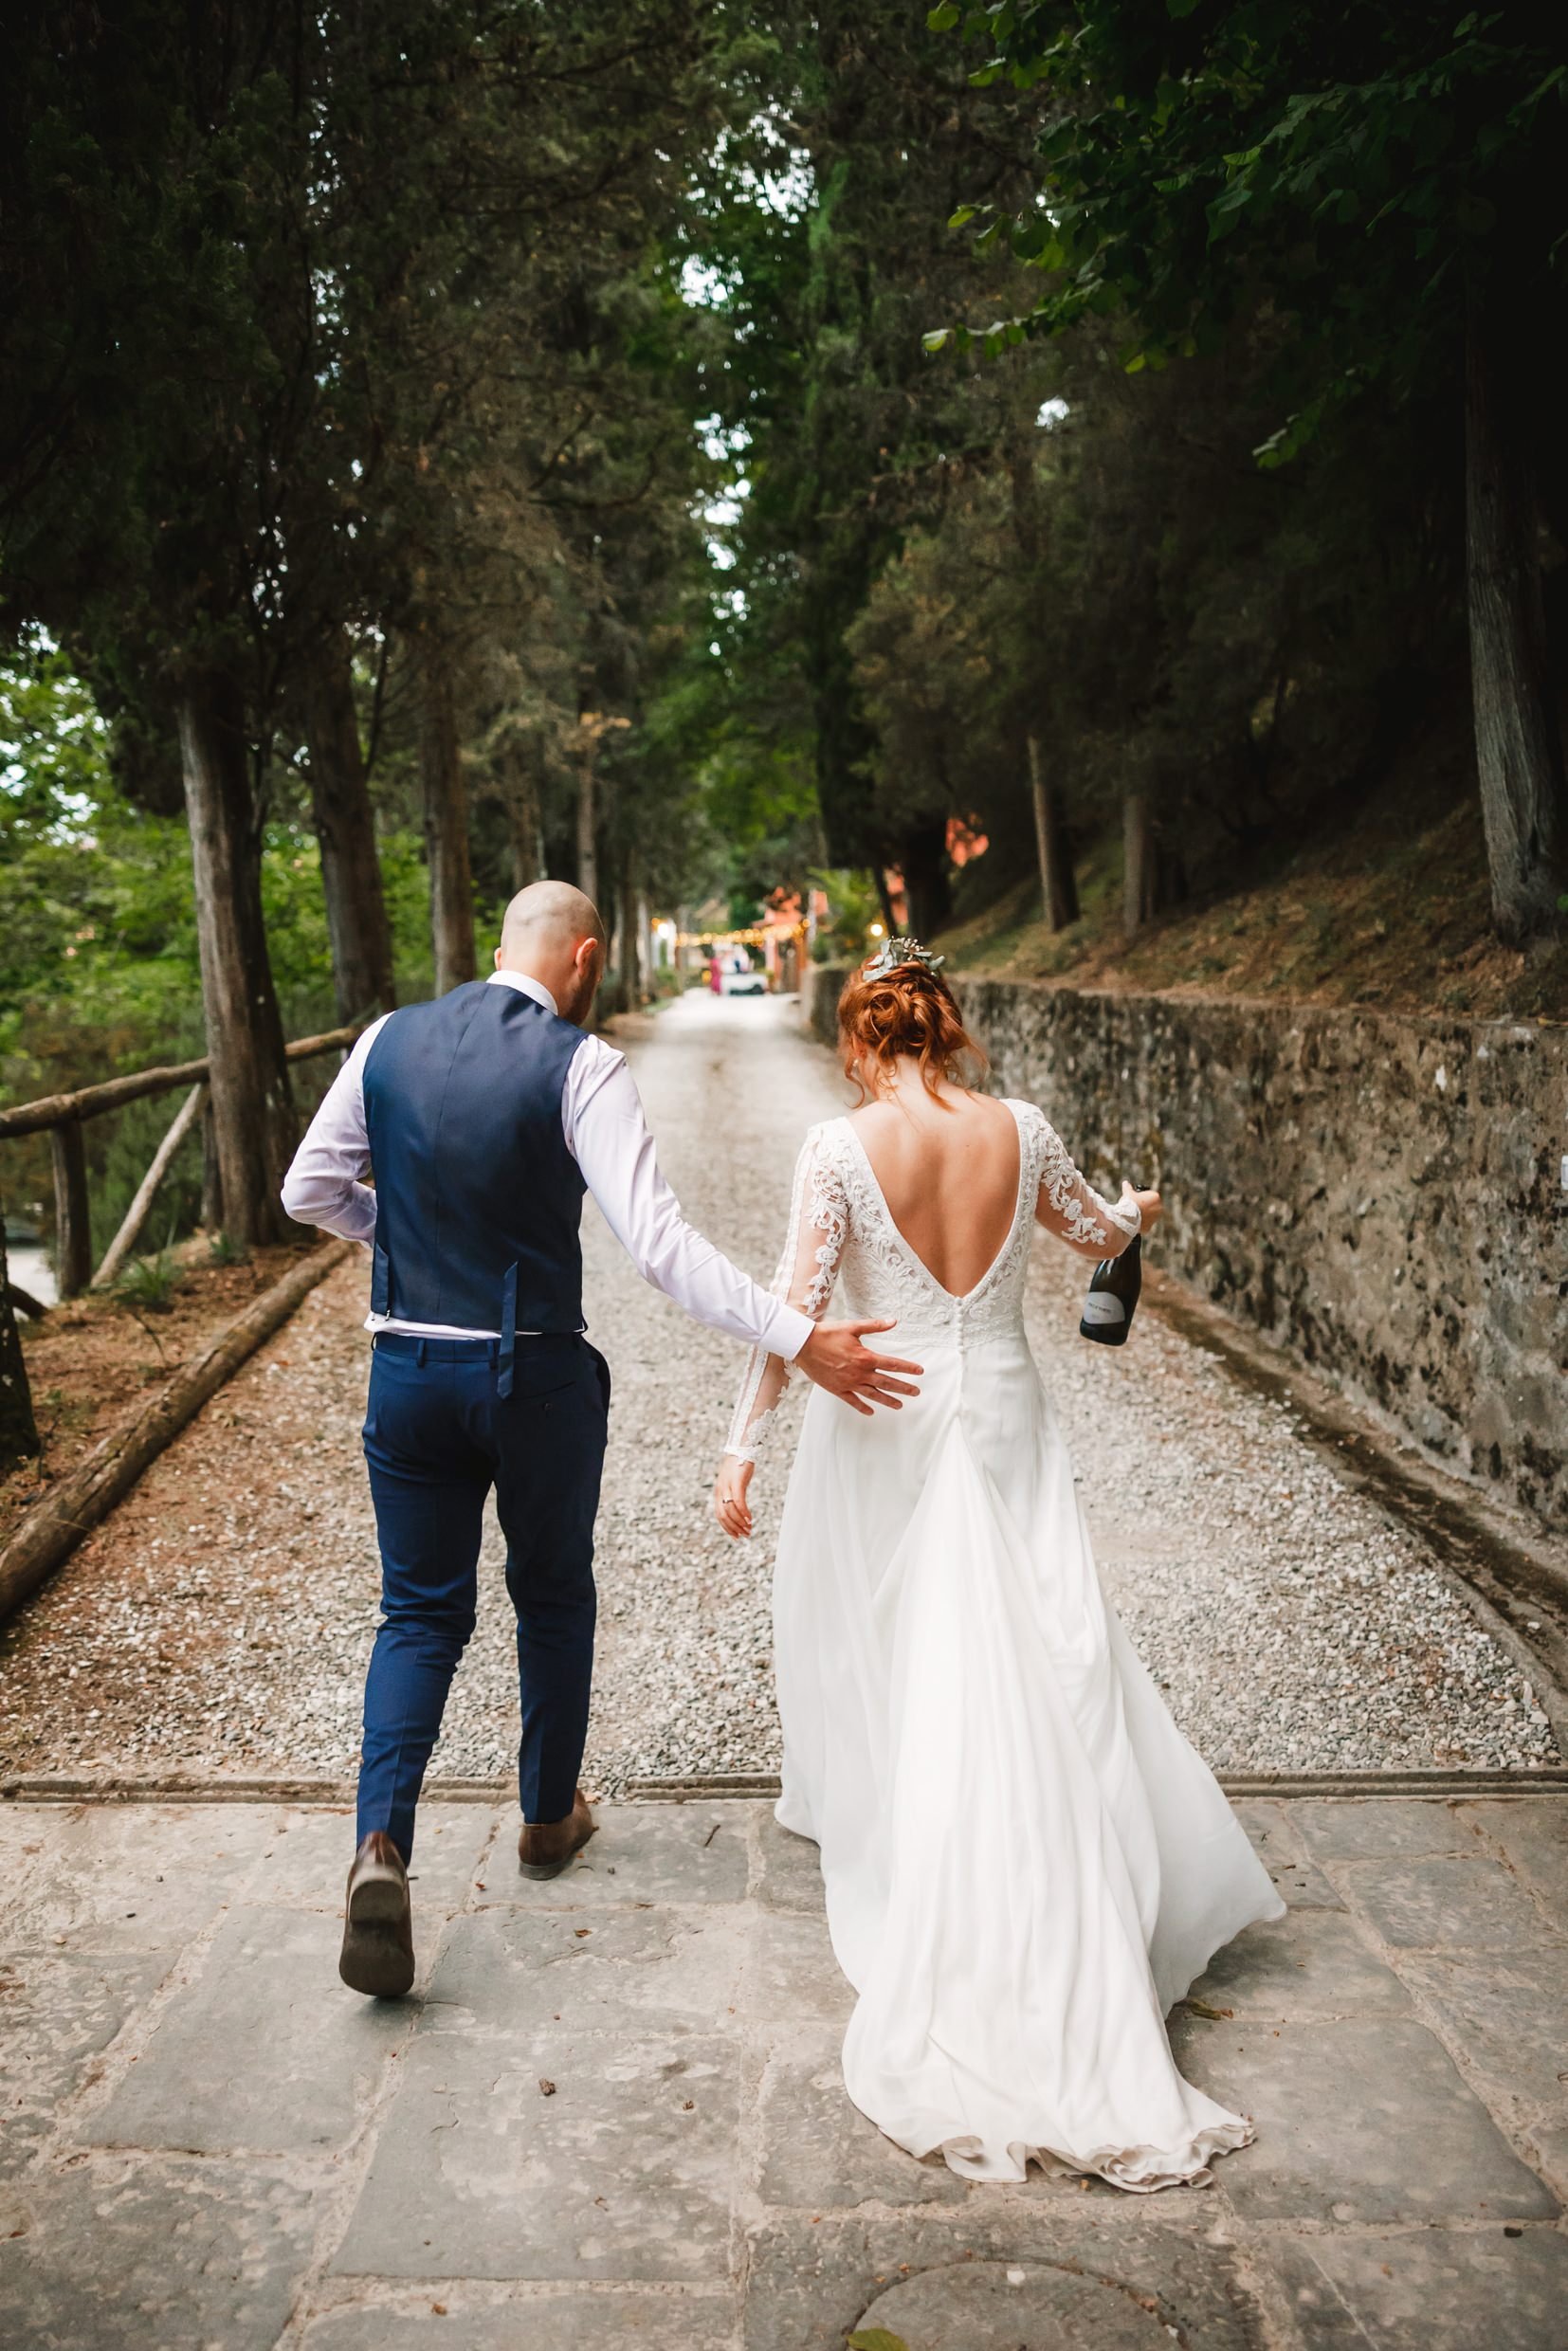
(445, 828)
(1518, 736)
(587, 859)
(1058, 883)
(928, 892)
(345, 828)
(631, 974)
(1139, 885)
(252, 1103)
(212, 1173)
(1154, 873)
(523, 811)
(644, 948)
(18, 1428)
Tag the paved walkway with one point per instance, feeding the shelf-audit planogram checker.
(612, 2114)
(220, 1619)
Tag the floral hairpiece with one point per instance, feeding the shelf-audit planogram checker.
(897, 950)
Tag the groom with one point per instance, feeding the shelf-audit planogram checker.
(485, 1116)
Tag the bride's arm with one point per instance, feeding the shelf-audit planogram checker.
(805, 1275)
(1069, 1207)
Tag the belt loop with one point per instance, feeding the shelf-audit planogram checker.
(419, 1355)
(508, 1332)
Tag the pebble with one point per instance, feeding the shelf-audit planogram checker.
(221, 1620)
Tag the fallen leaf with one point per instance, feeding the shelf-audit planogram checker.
(1201, 2008)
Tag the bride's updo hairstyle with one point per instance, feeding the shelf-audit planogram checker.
(900, 1004)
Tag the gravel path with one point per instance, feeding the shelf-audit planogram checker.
(221, 1619)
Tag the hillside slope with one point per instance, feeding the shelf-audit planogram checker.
(1391, 908)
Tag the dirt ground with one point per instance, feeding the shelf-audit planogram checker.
(91, 1360)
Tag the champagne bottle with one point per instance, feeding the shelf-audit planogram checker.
(1113, 1294)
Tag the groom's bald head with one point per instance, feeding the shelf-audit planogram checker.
(553, 934)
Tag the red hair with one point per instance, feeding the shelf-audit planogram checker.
(909, 1011)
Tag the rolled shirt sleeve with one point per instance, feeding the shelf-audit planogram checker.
(325, 1183)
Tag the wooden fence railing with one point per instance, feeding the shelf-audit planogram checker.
(63, 1116)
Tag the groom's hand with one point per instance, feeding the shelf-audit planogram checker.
(834, 1357)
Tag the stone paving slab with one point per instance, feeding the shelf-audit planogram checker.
(249, 2054)
(1359, 2120)
(1441, 2291)
(138, 2253)
(612, 2110)
(679, 2320)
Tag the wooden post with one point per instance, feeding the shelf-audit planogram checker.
(18, 1428)
(136, 1215)
(73, 1239)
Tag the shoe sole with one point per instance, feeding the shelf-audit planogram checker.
(538, 1870)
(548, 1868)
(376, 1959)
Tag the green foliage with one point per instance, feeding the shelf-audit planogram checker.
(98, 968)
(1349, 169)
(852, 907)
(147, 1285)
(823, 234)
(878, 2337)
(590, 351)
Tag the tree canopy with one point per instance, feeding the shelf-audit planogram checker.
(1047, 469)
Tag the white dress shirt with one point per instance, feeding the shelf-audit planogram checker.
(607, 1134)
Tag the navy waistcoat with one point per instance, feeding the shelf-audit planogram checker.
(478, 1200)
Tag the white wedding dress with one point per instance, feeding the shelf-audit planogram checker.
(1025, 1862)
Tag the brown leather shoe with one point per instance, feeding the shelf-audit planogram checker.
(378, 1954)
(545, 1846)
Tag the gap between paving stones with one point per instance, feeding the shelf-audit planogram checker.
(54, 1788)
(1035, 2221)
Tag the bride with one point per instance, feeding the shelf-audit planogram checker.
(1025, 1862)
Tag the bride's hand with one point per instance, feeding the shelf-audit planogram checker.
(730, 1506)
(1149, 1205)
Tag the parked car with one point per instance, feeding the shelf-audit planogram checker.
(746, 983)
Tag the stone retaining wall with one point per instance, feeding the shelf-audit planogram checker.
(1381, 1195)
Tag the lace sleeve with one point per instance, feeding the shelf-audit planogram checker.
(1069, 1205)
(819, 1219)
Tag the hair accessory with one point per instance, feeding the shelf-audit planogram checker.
(897, 950)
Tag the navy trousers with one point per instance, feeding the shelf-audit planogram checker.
(437, 1438)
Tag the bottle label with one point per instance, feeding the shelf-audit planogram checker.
(1100, 1306)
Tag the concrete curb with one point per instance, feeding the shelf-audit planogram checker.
(737, 1787)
